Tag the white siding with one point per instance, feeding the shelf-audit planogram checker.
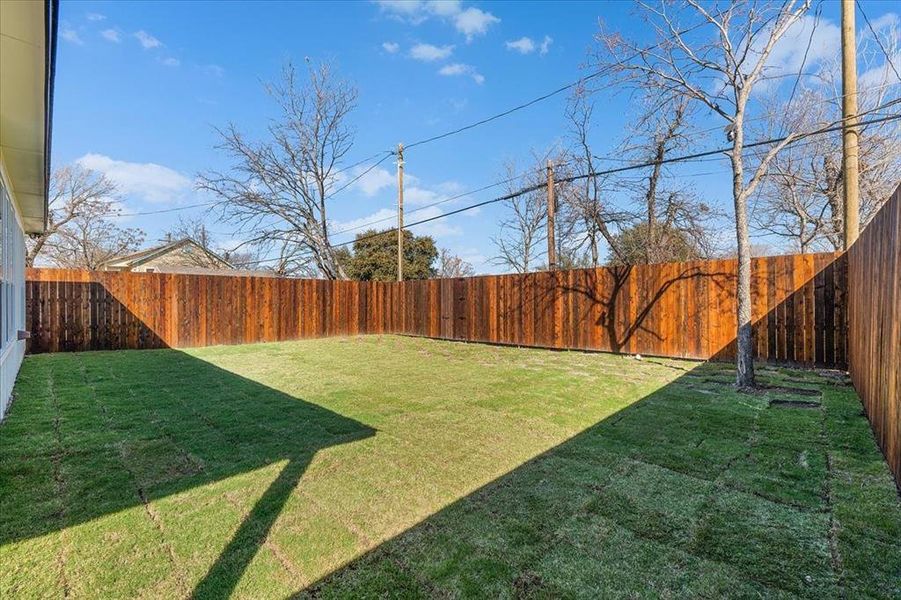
(12, 296)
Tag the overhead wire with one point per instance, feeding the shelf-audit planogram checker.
(571, 178)
(699, 157)
(888, 57)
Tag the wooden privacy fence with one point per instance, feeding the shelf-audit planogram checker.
(678, 309)
(875, 326)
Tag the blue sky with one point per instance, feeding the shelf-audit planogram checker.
(140, 86)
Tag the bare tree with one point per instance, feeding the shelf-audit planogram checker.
(450, 265)
(74, 191)
(587, 198)
(278, 188)
(194, 228)
(719, 71)
(671, 223)
(522, 233)
(91, 238)
(801, 199)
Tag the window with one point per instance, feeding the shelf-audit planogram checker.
(12, 273)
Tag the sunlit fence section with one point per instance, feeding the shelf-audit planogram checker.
(676, 309)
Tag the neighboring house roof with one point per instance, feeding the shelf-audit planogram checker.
(27, 63)
(131, 261)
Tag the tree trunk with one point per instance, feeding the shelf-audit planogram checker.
(651, 201)
(744, 358)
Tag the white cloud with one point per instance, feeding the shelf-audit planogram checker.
(877, 75)
(383, 218)
(472, 22)
(787, 56)
(457, 69)
(430, 53)
(469, 21)
(170, 61)
(111, 35)
(545, 45)
(70, 35)
(147, 40)
(374, 181)
(438, 228)
(386, 218)
(443, 8)
(147, 181)
(880, 76)
(390, 47)
(401, 8)
(886, 21)
(417, 197)
(472, 255)
(95, 17)
(526, 45)
(214, 70)
(523, 45)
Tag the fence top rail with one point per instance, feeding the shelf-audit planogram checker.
(54, 273)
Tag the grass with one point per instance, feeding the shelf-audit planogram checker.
(399, 467)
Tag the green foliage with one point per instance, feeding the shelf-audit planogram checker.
(668, 244)
(374, 257)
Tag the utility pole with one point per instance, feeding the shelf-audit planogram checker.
(551, 210)
(400, 212)
(850, 133)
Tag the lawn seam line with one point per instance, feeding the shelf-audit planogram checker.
(56, 461)
(837, 563)
(120, 446)
(271, 545)
(349, 523)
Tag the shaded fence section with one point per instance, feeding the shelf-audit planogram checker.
(875, 326)
(678, 309)
(74, 310)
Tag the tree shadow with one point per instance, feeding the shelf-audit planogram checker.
(249, 426)
(90, 435)
(692, 491)
(624, 314)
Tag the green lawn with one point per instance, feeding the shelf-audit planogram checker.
(390, 466)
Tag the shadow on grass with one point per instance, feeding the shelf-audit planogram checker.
(89, 437)
(693, 491)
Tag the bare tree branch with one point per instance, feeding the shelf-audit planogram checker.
(278, 188)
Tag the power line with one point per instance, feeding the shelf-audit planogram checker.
(387, 155)
(813, 29)
(433, 204)
(551, 94)
(165, 210)
(888, 57)
(571, 178)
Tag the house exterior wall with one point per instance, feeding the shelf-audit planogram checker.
(12, 291)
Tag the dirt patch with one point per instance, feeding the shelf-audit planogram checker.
(795, 391)
(527, 584)
(794, 404)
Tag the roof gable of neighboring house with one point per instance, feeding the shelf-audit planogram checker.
(137, 259)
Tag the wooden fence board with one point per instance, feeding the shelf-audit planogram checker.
(679, 309)
(874, 323)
